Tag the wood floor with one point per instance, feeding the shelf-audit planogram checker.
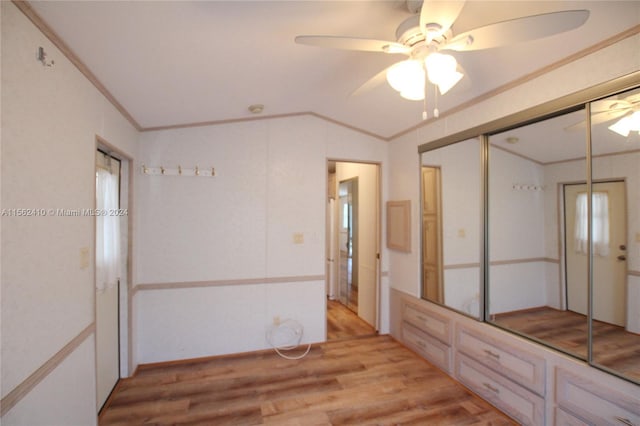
(344, 323)
(368, 380)
(613, 347)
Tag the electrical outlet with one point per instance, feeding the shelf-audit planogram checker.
(276, 320)
(298, 238)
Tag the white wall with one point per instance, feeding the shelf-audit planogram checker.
(224, 246)
(50, 119)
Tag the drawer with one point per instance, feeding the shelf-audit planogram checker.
(430, 322)
(432, 349)
(520, 366)
(566, 419)
(523, 405)
(595, 403)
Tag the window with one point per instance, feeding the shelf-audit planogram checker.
(107, 230)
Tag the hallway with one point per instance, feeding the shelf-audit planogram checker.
(343, 323)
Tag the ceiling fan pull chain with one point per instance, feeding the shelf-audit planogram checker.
(424, 101)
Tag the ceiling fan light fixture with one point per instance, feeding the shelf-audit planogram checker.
(441, 70)
(407, 77)
(627, 124)
(413, 94)
(448, 81)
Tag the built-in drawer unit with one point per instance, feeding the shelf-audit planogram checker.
(428, 321)
(567, 419)
(520, 366)
(520, 403)
(594, 403)
(429, 347)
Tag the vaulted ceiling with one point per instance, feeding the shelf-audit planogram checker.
(181, 62)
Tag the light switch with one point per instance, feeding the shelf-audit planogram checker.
(461, 233)
(84, 257)
(298, 238)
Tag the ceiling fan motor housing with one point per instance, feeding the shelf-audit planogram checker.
(409, 33)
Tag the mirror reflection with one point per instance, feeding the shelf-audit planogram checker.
(451, 226)
(537, 268)
(615, 123)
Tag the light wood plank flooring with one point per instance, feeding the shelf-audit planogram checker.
(370, 380)
(344, 323)
(613, 347)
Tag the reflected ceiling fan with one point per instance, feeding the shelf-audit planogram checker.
(625, 110)
(424, 36)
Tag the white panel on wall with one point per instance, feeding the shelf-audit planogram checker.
(65, 397)
(198, 322)
(203, 228)
(296, 194)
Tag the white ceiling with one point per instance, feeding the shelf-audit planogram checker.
(181, 62)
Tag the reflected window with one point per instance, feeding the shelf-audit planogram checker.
(600, 205)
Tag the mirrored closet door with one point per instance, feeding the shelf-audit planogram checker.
(532, 223)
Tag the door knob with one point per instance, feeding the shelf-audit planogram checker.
(623, 247)
(622, 257)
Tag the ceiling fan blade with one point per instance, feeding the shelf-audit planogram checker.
(518, 30)
(443, 13)
(601, 112)
(372, 83)
(353, 43)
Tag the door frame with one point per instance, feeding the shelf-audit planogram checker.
(378, 226)
(125, 316)
(562, 230)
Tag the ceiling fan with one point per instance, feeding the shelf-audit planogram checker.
(424, 36)
(626, 112)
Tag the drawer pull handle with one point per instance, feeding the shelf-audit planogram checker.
(624, 421)
(421, 343)
(491, 388)
(492, 354)
(421, 318)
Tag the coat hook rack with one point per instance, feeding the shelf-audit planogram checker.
(178, 171)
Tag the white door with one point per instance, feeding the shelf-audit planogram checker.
(107, 306)
(609, 259)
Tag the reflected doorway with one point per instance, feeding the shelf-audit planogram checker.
(353, 247)
(347, 238)
(609, 256)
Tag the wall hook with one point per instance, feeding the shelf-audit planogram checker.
(42, 57)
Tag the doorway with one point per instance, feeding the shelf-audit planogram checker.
(609, 245)
(111, 271)
(353, 247)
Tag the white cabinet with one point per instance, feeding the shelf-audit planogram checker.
(593, 403)
(510, 378)
(517, 364)
(427, 333)
(515, 400)
(427, 346)
(430, 322)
